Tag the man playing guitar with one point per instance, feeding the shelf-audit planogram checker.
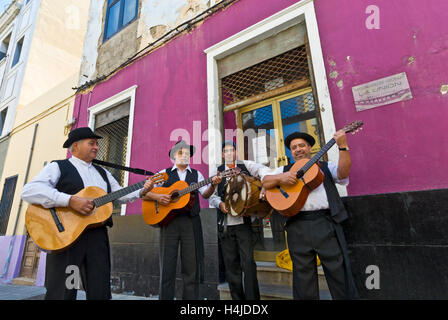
(184, 229)
(316, 228)
(55, 186)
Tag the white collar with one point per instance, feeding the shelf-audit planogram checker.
(176, 168)
(81, 162)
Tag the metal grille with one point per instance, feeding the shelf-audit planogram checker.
(112, 148)
(301, 105)
(6, 202)
(268, 75)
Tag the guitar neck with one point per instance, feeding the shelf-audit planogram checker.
(315, 158)
(118, 194)
(195, 186)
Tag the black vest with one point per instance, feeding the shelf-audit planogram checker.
(222, 187)
(70, 181)
(192, 177)
(338, 211)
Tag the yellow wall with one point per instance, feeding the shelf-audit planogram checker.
(50, 135)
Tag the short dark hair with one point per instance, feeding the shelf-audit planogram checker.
(228, 143)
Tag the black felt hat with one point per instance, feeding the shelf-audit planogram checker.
(181, 144)
(80, 134)
(299, 135)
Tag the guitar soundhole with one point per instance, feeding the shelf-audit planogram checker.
(174, 196)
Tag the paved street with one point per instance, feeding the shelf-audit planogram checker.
(23, 292)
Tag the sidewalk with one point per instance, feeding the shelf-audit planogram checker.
(23, 292)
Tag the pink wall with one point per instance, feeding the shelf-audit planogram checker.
(402, 146)
(398, 141)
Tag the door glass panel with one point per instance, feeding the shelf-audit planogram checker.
(260, 146)
(299, 114)
(259, 136)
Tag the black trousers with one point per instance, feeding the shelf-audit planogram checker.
(178, 233)
(241, 270)
(90, 254)
(310, 233)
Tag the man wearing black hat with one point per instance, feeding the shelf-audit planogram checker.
(55, 186)
(183, 230)
(316, 228)
(235, 233)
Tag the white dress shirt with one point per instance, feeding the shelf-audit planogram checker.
(183, 175)
(42, 189)
(317, 199)
(255, 170)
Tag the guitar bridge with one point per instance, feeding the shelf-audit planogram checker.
(157, 206)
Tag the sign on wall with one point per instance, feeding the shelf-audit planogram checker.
(382, 92)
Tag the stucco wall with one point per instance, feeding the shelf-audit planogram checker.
(397, 140)
(400, 146)
(155, 18)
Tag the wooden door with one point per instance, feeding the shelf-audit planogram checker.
(30, 260)
(271, 121)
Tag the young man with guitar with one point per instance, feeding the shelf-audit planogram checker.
(235, 233)
(56, 186)
(183, 227)
(316, 228)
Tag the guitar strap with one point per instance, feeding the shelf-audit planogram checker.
(120, 167)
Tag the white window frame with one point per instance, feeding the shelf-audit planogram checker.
(127, 94)
(299, 12)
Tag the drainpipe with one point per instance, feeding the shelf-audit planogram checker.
(26, 174)
(11, 243)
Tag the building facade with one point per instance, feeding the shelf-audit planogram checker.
(206, 71)
(38, 96)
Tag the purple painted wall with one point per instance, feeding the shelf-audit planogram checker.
(398, 140)
(40, 277)
(11, 251)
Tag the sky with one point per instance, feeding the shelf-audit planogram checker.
(4, 4)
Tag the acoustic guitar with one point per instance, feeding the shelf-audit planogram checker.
(56, 229)
(288, 200)
(158, 215)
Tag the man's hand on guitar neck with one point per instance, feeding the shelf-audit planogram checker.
(81, 205)
(149, 184)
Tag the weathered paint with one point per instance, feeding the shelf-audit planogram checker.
(156, 17)
(400, 146)
(398, 140)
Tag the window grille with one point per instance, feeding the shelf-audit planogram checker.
(113, 148)
(6, 202)
(282, 70)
